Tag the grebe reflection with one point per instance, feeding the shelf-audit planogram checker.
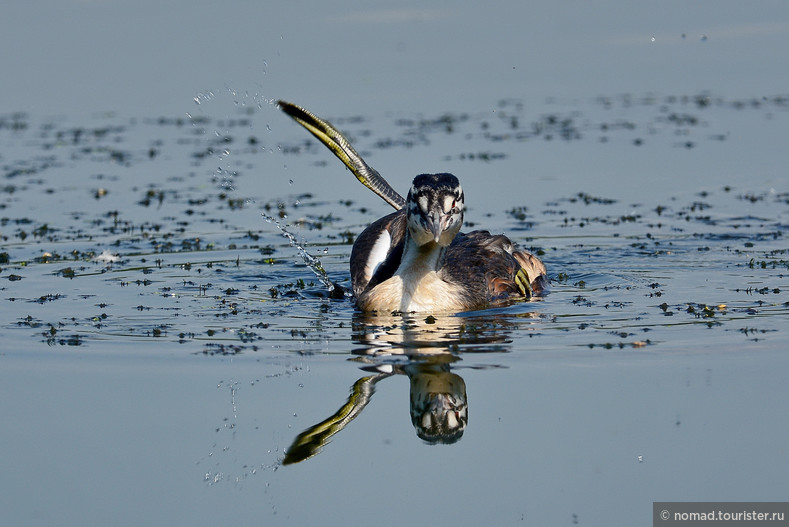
(439, 408)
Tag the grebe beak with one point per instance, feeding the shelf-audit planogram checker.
(436, 225)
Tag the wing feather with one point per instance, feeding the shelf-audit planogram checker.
(377, 251)
(491, 267)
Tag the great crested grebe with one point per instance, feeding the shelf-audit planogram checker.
(416, 259)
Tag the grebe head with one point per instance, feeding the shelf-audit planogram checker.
(434, 207)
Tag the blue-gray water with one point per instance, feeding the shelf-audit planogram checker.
(164, 344)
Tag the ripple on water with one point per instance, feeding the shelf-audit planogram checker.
(192, 264)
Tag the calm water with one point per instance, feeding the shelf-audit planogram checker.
(164, 344)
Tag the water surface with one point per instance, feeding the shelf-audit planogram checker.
(164, 344)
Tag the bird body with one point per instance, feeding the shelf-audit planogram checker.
(416, 259)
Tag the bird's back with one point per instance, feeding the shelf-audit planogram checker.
(486, 267)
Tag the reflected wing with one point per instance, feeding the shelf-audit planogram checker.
(310, 441)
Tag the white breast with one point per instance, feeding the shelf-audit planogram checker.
(429, 294)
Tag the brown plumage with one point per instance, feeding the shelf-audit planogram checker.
(416, 259)
(486, 265)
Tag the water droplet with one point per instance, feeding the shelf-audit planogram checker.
(312, 262)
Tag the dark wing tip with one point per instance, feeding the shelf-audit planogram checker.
(292, 109)
(297, 112)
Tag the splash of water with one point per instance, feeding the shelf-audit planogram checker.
(335, 291)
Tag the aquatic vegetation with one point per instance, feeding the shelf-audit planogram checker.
(174, 247)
